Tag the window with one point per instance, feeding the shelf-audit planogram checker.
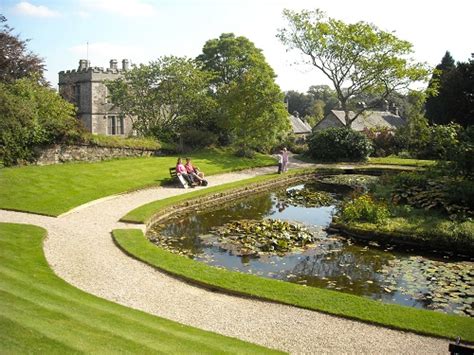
(115, 125)
(77, 94)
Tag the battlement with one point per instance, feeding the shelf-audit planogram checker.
(84, 67)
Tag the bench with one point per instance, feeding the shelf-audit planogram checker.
(178, 178)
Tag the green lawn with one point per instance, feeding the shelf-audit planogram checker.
(134, 243)
(55, 189)
(391, 160)
(41, 313)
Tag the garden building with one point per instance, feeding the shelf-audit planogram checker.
(85, 87)
(369, 119)
(299, 128)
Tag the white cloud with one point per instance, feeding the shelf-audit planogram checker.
(100, 53)
(25, 8)
(127, 8)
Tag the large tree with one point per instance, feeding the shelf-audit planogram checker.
(357, 58)
(250, 113)
(453, 85)
(16, 61)
(162, 97)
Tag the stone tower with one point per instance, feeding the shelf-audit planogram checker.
(85, 87)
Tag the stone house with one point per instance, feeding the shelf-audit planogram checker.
(85, 87)
(299, 128)
(387, 118)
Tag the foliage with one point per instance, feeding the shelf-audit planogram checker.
(195, 138)
(364, 209)
(250, 114)
(42, 313)
(357, 58)
(308, 197)
(383, 141)
(30, 188)
(31, 115)
(415, 135)
(454, 87)
(335, 144)
(355, 181)
(253, 237)
(452, 197)
(101, 140)
(16, 61)
(462, 154)
(163, 97)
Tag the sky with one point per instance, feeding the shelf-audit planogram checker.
(64, 31)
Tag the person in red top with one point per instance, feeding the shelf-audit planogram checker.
(194, 172)
(181, 171)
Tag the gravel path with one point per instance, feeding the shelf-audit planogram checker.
(80, 250)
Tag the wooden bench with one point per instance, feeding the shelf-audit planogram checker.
(178, 178)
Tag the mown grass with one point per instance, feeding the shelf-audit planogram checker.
(55, 189)
(41, 313)
(134, 243)
(393, 160)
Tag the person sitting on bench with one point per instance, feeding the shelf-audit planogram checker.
(197, 175)
(181, 171)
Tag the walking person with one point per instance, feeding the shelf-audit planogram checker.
(284, 160)
(280, 161)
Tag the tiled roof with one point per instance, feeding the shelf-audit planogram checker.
(299, 127)
(371, 119)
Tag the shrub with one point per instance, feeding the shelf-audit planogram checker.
(462, 154)
(443, 139)
(31, 115)
(195, 139)
(383, 141)
(335, 144)
(364, 209)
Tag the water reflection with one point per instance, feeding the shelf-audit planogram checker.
(334, 262)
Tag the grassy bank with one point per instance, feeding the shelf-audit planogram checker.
(55, 189)
(134, 243)
(41, 313)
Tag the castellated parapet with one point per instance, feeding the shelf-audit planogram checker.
(85, 87)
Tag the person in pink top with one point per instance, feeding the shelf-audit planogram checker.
(181, 171)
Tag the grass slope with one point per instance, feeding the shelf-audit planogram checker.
(133, 242)
(41, 313)
(55, 189)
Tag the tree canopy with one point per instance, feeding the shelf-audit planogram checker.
(357, 58)
(163, 96)
(454, 87)
(250, 111)
(16, 61)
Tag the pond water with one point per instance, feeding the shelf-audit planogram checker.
(333, 261)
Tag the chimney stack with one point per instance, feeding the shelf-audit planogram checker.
(113, 64)
(125, 65)
(394, 109)
(83, 64)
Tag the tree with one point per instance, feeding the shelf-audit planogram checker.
(357, 58)
(16, 61)
(31, 115)
(326, 94)
(163, 96)
(250, 112)
(453, 98)
(299, 103)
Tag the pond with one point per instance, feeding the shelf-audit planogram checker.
(330, 261)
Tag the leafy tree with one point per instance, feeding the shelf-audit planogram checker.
(257, 115)
(454, 98)
(163, 96)
(16, 61)
(357, 58)
(325, 94)
(31, 115)
(250, 112)
(299, 103)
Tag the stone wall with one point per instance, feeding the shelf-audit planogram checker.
(57, 154)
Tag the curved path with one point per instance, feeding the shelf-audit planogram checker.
(80, 250)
